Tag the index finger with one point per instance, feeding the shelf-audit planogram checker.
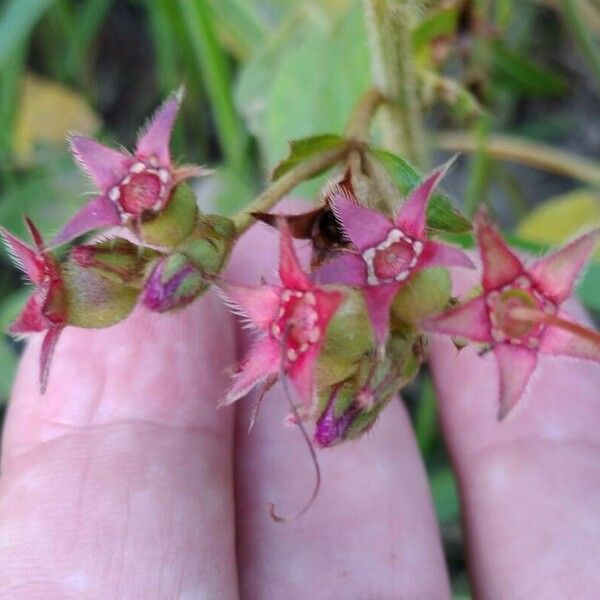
(118, 482)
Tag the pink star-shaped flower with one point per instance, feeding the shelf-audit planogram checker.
(46, 308)
(293, 317)
(129, 184)
(387, 253)
(508, 287)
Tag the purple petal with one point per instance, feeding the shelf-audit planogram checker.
(412, 216)
(556, 273)
(364, 227)
(262, 360)
(500, 264)
(99, 212)
(290, 272)
(46, 353)
(436, 254)
(259, 304)
(155, 137)
(515, 366)
(347, 268)
(24, 256)
(558, 342)
(330, 429)
(469, 321)
(104, 165)
(379, 300)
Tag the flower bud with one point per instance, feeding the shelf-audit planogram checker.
(175, 223)
(349, 336)
(117, 260)
(173, 283)
(427, 294)
(349, 409)
(210, 244)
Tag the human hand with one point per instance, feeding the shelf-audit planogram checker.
(125, 482)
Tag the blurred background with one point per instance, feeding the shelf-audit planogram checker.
(514, 85)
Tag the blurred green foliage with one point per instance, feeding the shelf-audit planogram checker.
(259, 73)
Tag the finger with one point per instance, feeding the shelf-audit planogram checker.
(371, 532)
(530, 485)
(118, 482)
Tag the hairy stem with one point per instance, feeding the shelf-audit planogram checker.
(388, 27)
(285, 184)
(357, 130)
(518, 150)
(363, 112)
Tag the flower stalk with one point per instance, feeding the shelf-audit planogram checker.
(285, 184)
(514, 149)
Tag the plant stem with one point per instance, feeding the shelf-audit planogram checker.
(536, 316)
(285, 184)
(357, 130)
(215, 72)
(542, 156)
(389, 29)
(363, 112)
(579, 30)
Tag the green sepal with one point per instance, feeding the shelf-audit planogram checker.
(94, 300)
(349, 336)
(209, 245)
(175, 223)
(404, 355)
(305, 148)
(116, 260)
(427, 293)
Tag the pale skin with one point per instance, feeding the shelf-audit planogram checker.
(124, 481)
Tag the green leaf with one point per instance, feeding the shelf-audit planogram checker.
(440, 23)
(8, 366)
(306, 79)
(442, 215)
(301, 150)
(11, 306)
(240, 26)
(445, 494)
(588, 287)
(562, 217)
(17, 20)
(49, 194)
(518, 73)
(216, 73)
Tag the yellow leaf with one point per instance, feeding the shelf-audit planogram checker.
(562, 217)
(48, 112)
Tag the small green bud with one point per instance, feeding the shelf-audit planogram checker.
(427, 293)
(94, 300)
(173, 283)
(210, 244)
(348, 409)
(349, 336)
